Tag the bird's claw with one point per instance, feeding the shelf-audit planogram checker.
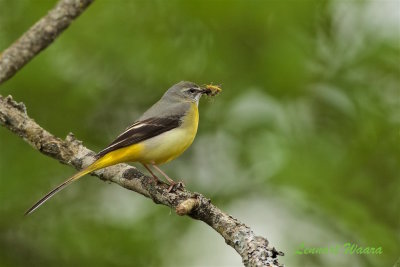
(175, 186)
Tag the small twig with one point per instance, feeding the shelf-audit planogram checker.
(254, 250)
(39, 36)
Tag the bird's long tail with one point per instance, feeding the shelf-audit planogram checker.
(98, 164)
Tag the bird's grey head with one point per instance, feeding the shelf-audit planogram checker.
(185, 90)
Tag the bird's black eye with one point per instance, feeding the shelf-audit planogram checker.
(192, 91)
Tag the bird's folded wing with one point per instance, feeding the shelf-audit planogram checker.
(141, 131)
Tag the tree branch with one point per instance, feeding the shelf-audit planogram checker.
(254, 250)
(39, 36)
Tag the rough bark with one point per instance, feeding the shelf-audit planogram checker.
(254, 250)
(39, 36)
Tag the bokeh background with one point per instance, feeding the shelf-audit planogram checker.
(302, 145)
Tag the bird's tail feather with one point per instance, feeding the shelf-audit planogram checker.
(94, 166)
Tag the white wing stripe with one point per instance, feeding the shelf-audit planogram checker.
(134, 126)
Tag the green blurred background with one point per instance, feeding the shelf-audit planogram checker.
(302, 145)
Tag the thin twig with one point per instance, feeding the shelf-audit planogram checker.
(254, 250)
(39, 36)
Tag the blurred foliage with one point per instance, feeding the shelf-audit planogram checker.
(303, 143)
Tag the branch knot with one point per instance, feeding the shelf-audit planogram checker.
(187, 206)
(20, 106)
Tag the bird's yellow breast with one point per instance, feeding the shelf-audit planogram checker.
(171, 144)
(161, 148)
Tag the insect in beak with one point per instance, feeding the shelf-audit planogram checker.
(211, 90)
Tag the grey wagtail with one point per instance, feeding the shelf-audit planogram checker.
(160, 135)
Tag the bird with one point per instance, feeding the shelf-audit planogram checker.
(160, 135)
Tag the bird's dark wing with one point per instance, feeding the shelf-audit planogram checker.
(140, 131)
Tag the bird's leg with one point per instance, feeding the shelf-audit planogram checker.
(164, 174)
(172, 183)
(156, 180)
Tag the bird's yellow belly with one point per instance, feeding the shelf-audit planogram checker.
(159, 149)
(169, 145)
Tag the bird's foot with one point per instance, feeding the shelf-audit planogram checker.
(175, 186)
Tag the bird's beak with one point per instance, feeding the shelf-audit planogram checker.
(204, 91)
(210, 90)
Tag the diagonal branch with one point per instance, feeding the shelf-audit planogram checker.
(254, 250)
(39, 36)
